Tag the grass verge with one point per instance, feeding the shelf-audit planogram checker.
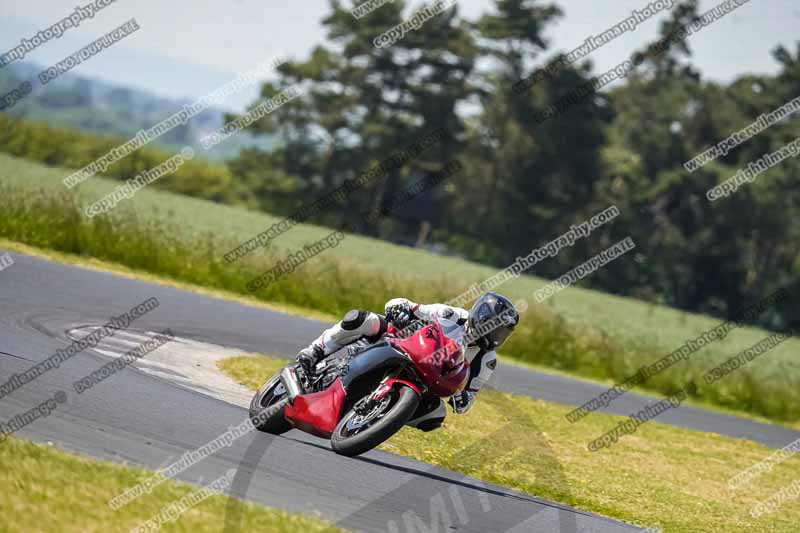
(46, 490)
(661, 475)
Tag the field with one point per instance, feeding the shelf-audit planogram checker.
(662, 476)
(579, 331)
(76, 491)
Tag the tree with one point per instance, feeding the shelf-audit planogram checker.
(360, 104)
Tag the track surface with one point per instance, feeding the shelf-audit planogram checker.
(147, 420)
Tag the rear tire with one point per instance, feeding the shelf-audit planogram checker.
(381, 430)
(267, 408)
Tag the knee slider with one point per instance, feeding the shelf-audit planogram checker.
(353, 319)
(430, 425)
(433, 413)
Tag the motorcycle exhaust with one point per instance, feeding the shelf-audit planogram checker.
(291, 383)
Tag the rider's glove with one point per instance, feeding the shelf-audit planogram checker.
(309, 357)
(400, 313)
(461, 403)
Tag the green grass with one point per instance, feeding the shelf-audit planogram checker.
(578, 331)
(660, 475)
(46, 490)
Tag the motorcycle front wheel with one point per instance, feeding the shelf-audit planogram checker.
(357, 433)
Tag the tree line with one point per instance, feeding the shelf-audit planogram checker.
(526, 180)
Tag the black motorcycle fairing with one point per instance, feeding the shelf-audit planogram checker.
(368, 367)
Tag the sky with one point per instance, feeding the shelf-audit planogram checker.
(188, 48)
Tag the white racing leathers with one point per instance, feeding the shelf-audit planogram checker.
(367, 326)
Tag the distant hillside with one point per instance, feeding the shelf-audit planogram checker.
(100, 107)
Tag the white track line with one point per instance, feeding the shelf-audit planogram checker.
(184, 362)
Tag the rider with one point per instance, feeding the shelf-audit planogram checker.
(488, 324)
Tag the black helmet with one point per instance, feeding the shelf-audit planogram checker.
(491, 320)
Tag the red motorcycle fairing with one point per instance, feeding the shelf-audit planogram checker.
(439, 360)
(317, 413)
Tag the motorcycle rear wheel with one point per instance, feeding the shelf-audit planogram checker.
(356, 434)
(267, 407)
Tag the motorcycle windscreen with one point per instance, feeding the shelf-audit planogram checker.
(317, 413)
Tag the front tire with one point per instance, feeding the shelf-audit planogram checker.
(267, 408)
(353, 437)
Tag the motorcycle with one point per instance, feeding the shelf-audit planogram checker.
(360, 400)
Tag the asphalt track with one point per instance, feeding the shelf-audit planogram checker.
(146, 419)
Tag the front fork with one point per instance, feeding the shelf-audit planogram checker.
(367, 403)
